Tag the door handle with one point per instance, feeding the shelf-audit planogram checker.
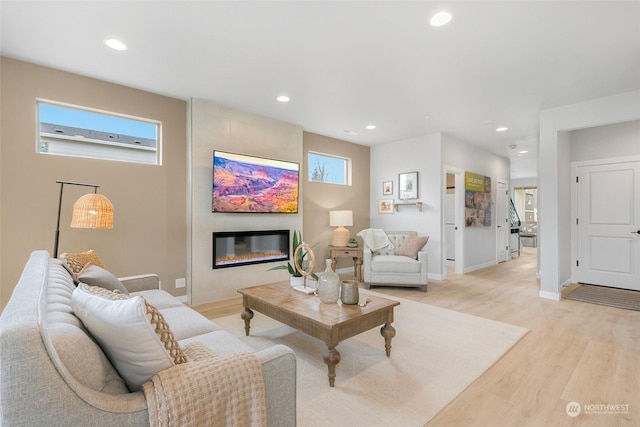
(635, 232)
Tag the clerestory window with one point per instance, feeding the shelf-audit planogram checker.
(329, 168)
(68, 130)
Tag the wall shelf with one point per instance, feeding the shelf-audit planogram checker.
(416, 204)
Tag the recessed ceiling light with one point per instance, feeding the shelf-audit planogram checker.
(283, 98)
(440, 19)
(115, 44)
(371, 127)
(350, 132)
(501, 129)
(523, 152)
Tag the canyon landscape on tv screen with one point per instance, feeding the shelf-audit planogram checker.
(250, 184)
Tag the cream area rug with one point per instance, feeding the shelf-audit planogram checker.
(435, 355)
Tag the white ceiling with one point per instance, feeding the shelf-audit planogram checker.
(347, 64)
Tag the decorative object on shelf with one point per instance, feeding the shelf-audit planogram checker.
(299, 259)
(387, 188)
(416, 204)
(385, 206)
(92, 210)
(408, 185)
(352, 243)
(340, 219)
(349, 294)
(328, 285)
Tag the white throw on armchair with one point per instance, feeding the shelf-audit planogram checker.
(395, 264)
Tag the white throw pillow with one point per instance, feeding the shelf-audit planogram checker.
(125, 333)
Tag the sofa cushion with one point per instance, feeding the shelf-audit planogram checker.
(220, 341)
(394, 264)
(159, 298)
(186, 323)
(132, 333)
(94, 275)
(411, 245)
(75, 262)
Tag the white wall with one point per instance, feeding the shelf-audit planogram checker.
(215, 127)
(602, 142)
(420, 154)
(554, 187)
(479, 242)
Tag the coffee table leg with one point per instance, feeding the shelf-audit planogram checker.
(246, 315)
(331, 358)
(388, 332)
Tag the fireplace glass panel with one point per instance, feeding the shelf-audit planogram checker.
(236, 248)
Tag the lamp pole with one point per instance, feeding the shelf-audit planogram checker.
(57, 236)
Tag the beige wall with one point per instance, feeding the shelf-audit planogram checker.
(320, 198)
(149, 233)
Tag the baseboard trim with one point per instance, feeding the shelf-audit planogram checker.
(555, 296)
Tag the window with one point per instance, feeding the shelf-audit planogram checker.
(81, 132)
(329, 169)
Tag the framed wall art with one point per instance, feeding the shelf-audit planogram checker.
(408, 185)
(385, 206)
(387, 188)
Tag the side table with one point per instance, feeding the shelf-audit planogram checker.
(356, 254)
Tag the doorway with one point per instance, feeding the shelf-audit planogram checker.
(453, 220)
(607, 223)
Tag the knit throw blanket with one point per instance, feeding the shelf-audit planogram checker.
(375, 239)
(208, 390)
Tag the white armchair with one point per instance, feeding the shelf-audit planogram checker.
(386, 268)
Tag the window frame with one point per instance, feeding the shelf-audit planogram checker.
(91, 143)
(347, 168)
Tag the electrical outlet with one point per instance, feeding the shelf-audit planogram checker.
(180, 283)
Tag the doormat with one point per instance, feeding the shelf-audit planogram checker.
(602, 295)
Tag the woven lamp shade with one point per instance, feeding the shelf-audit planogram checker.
(92, 211)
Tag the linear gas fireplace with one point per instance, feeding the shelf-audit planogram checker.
(235, 248)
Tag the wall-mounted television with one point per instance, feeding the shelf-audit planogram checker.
(249, 184)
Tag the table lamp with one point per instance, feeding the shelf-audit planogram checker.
(340, 219)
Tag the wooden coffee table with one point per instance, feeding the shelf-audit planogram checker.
(330, 323)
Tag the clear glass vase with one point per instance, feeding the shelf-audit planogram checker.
(328, 285)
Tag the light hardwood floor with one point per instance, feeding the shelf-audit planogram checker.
(574, 352)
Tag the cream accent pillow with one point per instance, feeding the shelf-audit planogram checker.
(93, 275)
(75, 262)
(131, 332)
(412, 245)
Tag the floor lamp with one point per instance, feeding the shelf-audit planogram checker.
(92, 210)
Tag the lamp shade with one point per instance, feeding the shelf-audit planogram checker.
(92, 211)
(341, 218)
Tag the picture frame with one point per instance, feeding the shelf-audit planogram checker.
(387, 188)
(385, 206)
(408, 185)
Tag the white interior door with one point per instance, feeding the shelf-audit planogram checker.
(503, 228)
(608, 225)
(450, 226)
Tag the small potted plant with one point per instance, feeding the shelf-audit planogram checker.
(296, 277)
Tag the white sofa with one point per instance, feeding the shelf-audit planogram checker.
(54, 373)
(384, 268)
